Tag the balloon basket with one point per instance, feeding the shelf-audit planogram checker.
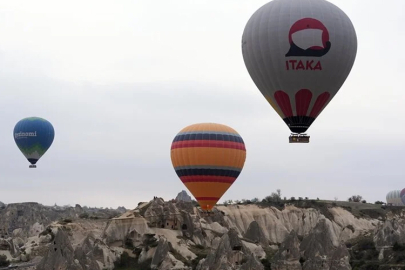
(299, 138)
(32, 166)
(205, 213)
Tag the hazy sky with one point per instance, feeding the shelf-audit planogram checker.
(119, 79)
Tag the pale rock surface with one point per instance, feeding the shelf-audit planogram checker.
(275, 224)
(120, 228)
(321, 248)
(255, 234)
(389, 232)
(257, 250)
(352, 226)
(171, 263)
(252, 264)
(341, 258)
(288, 255)
(60, 255)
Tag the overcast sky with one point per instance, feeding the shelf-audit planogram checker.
(119, 79)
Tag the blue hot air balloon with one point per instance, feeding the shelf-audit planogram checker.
(33, 136)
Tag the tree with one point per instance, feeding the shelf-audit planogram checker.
(379, 202)
(274, 197)
(255, 200)
(355, 198)
(279, 192)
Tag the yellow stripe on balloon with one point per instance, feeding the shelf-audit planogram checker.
(209, 127)
(275, 107)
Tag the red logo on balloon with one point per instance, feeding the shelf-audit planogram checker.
(308, 37)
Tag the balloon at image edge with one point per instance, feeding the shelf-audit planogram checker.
(299, 53)
(402, 195)
(33, 136)
(208, 158)
(395, 197)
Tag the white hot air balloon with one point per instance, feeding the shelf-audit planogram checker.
(299, 53)
(394, 198)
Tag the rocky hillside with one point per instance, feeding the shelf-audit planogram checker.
(163, 235)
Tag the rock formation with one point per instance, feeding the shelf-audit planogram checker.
(183, 196)
(255, 234)
(175, 235)
(288, 254)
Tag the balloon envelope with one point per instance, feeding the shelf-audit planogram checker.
(33, 137)
(394, 198)
(208, 158)
(299, 53)
(402, 195)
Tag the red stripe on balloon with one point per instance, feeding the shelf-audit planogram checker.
(208, 143)
(319, 104)
(302, 101)
(207, 179)
(207, 198)
(283, 101)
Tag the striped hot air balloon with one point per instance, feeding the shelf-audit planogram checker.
(208, 158)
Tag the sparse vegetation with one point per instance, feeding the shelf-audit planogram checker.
(128, 243)
(3, 261)
(274, 197)
(84, 215)
(355, 198)
(127, 262)
(364, 255)
(201, 253)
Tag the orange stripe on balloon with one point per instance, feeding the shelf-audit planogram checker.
(226, 157)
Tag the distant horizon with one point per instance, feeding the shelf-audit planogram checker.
(193, 199)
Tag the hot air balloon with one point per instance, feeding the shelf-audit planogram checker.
(402, 196)
(299, 53)
(208, 158)
(394, 198)
(33, 137)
